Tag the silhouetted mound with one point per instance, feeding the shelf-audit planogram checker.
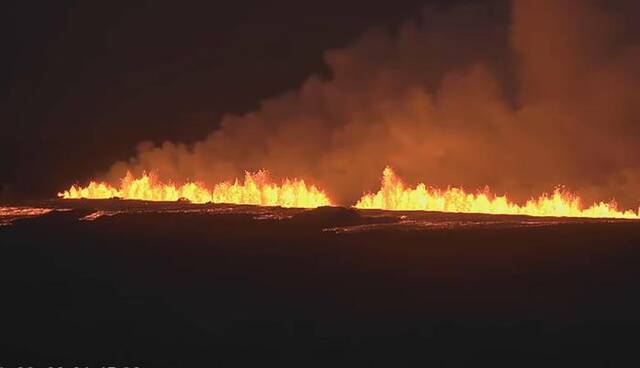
(337, 216)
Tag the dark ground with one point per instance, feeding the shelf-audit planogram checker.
(194, 289)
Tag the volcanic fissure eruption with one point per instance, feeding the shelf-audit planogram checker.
(257, 189)
(518, 98)
(395, 195)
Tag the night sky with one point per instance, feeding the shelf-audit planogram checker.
(83, 82)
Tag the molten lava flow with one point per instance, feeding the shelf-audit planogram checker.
(256, 189)
(394, 195)
(8, 214)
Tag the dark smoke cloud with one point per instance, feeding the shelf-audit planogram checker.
(520, 98)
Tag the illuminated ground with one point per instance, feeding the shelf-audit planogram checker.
(172, 284)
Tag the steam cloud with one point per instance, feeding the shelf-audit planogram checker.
(520, 97)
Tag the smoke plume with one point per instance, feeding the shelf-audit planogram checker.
(521, 97)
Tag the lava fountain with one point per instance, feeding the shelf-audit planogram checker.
(395, 195)
(257, 189)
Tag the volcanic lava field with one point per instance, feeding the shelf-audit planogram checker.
(170, 284)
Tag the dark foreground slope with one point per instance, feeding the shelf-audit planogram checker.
(182, 289)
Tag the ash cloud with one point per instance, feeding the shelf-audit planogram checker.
(521, 97)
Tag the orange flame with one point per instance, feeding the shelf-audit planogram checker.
(256, 190)
(394, 195)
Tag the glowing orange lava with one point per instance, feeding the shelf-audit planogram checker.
(8, 214)
(395, 195)
(256, 189)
